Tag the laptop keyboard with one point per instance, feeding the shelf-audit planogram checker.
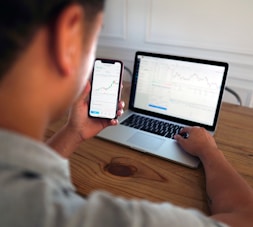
(152, 125)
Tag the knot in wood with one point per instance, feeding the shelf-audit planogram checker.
(119, 169)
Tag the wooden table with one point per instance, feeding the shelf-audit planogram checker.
(101, 165)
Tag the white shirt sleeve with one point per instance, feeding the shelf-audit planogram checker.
(103, 209)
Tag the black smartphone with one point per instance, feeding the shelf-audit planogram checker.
(105, 88)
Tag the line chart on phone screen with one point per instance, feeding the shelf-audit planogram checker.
(105, 88)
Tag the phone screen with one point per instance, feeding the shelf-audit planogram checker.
(105, 88)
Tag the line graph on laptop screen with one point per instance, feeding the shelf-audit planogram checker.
(181, 89)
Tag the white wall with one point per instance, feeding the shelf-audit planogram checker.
(216, 30)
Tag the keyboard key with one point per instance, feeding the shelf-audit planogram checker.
(152, 125)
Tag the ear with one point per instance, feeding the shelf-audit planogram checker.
(68, 39)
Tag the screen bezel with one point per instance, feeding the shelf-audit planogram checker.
(107, 61)
(179, 58)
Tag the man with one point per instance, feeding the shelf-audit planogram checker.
(47, 50)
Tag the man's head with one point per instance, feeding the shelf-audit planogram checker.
(47, 48)
(20, 19)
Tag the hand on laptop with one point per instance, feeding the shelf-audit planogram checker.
(198, 143)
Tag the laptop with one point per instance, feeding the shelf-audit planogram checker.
(168, 93)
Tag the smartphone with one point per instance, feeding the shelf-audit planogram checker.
(105, 88)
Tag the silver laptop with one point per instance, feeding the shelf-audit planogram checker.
(168, 93)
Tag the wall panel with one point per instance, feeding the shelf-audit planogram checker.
(115, 22)
(222, 25)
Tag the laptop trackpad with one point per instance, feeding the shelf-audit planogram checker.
(145, 141)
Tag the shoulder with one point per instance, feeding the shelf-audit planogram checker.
(31, 199)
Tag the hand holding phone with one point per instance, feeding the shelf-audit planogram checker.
(105, 88)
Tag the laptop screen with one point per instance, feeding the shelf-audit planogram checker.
(178, 87)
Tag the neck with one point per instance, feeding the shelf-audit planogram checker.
(26, 91)
(19, 118)
(22, 108)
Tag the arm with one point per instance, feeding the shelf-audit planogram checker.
(79, 127)
(230, 197)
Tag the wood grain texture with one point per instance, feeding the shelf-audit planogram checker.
(101, 165)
